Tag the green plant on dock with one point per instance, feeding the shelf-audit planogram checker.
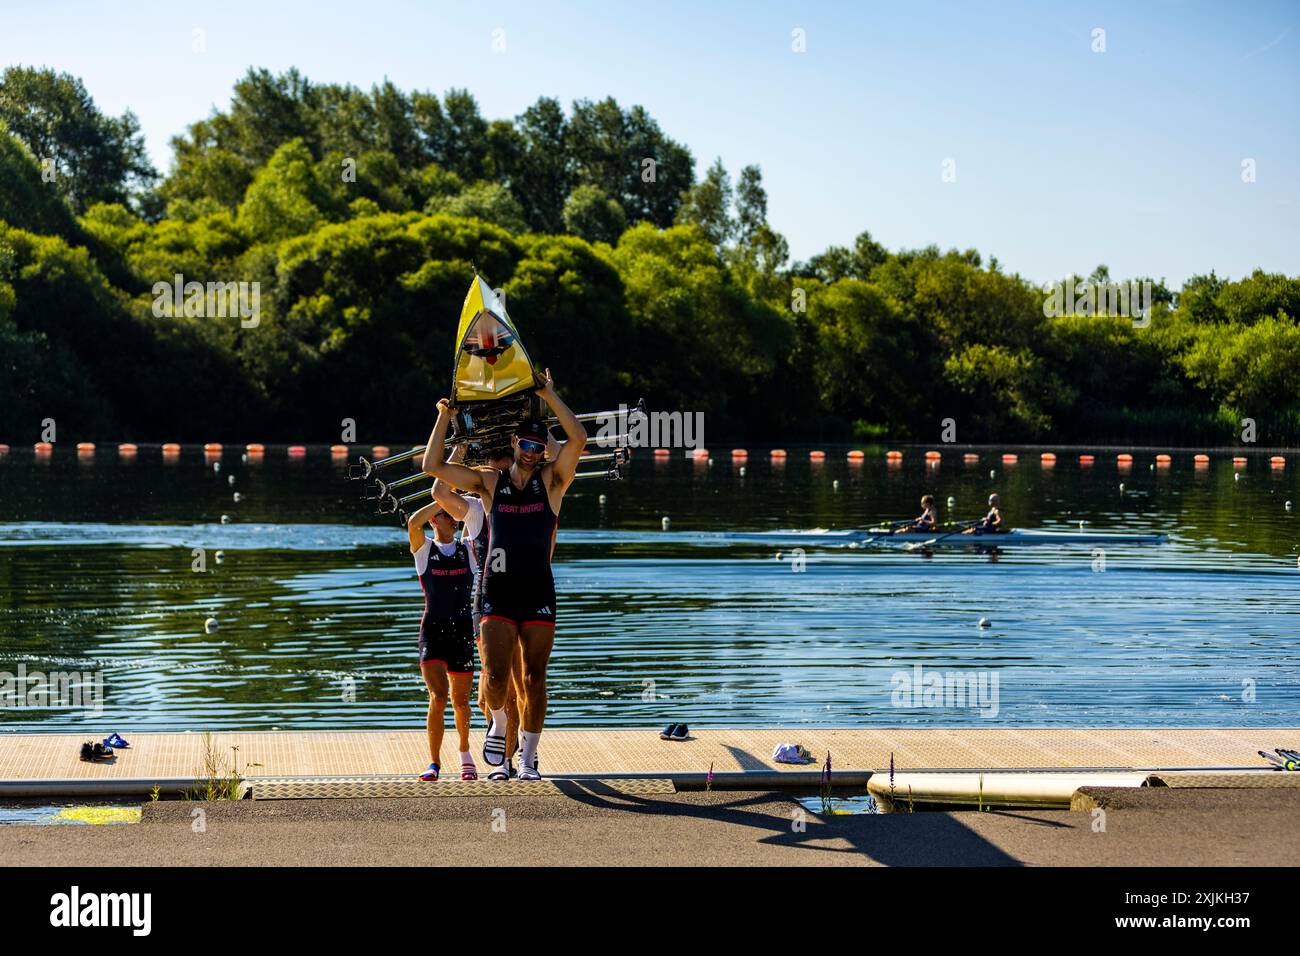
(153, 794)
(911, 807)
(216, 780)
(826, 788)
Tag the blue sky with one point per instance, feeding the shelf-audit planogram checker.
(1064, 157)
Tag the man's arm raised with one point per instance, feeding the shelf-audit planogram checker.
(458, 476)
(566, 463)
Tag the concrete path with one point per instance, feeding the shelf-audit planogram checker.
(1161, 827)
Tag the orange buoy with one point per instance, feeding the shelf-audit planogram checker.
(255, 449)
(86, 447)
(817, 455)
(1124, 459)
(338, 450)
(127, 448)
(212, 448)
(4, 449)
(1201, 459)
(297, 451)
(1239, 462)
(932, 456)
(778, 453)
(1163, 459)
(1010, 459)
(171, 448)
(1047, 458)
(44, 447)
(739, 453)
(379, 451)
(700, 453)
(1087, 459)
(662, 453)
(856, 455)
(894, 455)
(970, 457)
(1277, 461)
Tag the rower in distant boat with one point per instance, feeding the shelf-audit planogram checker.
(926, 522)
(992, 522)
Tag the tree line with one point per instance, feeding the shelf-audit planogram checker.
(362, 214)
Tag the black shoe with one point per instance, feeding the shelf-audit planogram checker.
(680, 732)
(94, 750)
(667, 732)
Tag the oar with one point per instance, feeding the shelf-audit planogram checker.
(960, 527)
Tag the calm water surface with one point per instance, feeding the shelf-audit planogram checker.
(318, 604)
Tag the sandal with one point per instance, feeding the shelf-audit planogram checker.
(93, 750)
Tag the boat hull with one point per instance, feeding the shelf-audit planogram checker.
(944, 539)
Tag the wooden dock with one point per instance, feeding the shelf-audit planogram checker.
(52, 758)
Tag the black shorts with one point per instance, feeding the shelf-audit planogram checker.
(506, 604)
(448, 641)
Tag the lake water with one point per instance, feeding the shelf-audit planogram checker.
(318, 605)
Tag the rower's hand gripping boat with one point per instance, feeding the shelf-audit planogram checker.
(493, 389)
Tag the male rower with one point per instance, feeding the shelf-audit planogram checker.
(444, 566)
(469, 509)
(522, 505)
(991, 523)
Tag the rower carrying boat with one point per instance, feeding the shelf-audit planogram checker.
(493, 390)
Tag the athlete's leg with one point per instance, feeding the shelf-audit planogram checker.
(498, 638)
(516, 696)
(537, 641)
(460, 706)
(499, 635)
(435, 679)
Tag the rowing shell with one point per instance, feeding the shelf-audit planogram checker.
(946, 539)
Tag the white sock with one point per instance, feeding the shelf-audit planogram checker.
(498, 720)
(465, 759)
(528, 747)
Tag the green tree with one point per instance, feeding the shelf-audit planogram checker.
(26, 201)
(707, 205)
(1003, 390)
(593, 216)
(96, 158)
(284, 198)
(490, 202)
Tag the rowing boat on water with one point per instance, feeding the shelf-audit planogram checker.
(946, 538)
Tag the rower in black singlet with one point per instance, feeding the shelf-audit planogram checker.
(447, 629)
(516, 580)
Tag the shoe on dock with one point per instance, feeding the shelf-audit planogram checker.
(93, 750)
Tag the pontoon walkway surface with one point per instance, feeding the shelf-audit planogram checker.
(48, 764)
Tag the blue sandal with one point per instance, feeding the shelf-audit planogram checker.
(431, 774)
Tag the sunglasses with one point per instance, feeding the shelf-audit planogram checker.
(528, 445)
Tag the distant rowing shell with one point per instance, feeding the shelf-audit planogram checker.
(942, 539)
